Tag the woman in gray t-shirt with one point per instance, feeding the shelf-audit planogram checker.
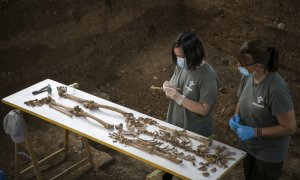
(192, 103)
(264, 118)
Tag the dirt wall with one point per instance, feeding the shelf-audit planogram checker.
(227, 24)
(75, 40)
(122, 47)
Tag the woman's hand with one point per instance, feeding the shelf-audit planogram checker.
(168, 84)
(174, 94)
(243, 132)
(232, 122)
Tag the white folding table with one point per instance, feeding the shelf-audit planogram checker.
(91, 129)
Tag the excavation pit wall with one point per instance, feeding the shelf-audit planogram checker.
(117, 49)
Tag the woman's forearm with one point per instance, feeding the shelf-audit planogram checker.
(196, 107)
(276, 131)
(286, 126)
(237, 108)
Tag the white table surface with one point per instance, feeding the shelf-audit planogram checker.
(94, 131)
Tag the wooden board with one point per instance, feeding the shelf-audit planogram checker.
(94, 131)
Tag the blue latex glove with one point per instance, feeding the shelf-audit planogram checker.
(233, 122)
(245, 132)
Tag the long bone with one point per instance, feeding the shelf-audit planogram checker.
(184, 133)
(62, 91)
(203, 140)
(161, 88)
(152, 149)
(155, 151)
(167, 136)
(77, 111)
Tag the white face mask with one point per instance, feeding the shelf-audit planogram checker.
(181, 62)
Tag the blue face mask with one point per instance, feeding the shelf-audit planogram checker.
(245, 72)
(181, 62)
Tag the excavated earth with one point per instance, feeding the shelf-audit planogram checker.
(117, 49)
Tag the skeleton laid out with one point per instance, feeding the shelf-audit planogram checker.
(137, 126)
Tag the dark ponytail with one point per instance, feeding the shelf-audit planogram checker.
(267, 56)
(273, 61)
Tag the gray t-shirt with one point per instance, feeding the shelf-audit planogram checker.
(201, 85)
(259, 105)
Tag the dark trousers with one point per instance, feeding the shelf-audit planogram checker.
(167, 176)
(257, 169)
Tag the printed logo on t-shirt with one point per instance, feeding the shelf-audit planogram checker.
(260, 102)
(189, 87)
